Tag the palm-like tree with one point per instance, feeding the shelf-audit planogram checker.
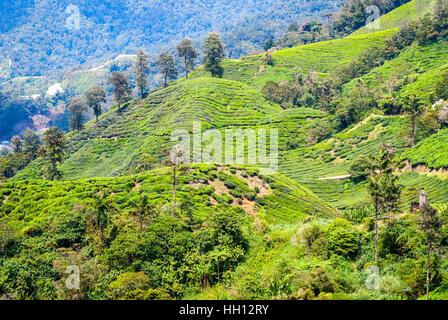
(414, 108)
(143, 210)
(102, 205)
(382, 186)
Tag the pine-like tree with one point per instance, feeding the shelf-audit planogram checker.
(188, 55)
(77, 107)
(213, 54)
(31, 143)
(167, 67)
(121, 90)
(141, 67)
(95, 96)
(414, 108)
(53, 151)
(383, 186)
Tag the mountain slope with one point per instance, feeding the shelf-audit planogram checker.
(397, 17)
(44, 36)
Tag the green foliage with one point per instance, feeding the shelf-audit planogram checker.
(52, 151)
(167, 67)
(342, 238)
(214, 53)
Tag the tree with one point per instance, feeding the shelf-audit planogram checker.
(31, 143)
(121, 90)
(213, 54)
(143, 210)
(359, 169)
(16, 144)
(141, 66)
(102, 205)
(268, 44)
(188, 54)
(430, 223)
(76, 108)
(414, 108)
(174, 159)
(95, 96)
(167, 67)
(382, 186)
(53, 152)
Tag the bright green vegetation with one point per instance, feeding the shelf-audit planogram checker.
(397, 17)
(431, 152)
(41, 220)
(415, 71)
(321, 57)
(304, 233)
(119, 139)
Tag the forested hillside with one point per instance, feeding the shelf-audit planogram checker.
(357, 210)
(40, 37)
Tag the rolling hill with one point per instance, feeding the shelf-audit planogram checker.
(306, 232)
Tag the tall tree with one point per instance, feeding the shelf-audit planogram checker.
(141, 66)
(268, 44)
(167, 67)
(16, 144)
(95, 96)
(53, 151)
(143, 210)
(414, 108)
(102, 204)
(430, 223)
(121, 90)
(382, 186)
(174, 159)
(188, 55)
(31, 143)
(213, 54)
(77, 107)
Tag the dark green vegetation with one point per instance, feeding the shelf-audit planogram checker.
(41, 38)
(362, 129)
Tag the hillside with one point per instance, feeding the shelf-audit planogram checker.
(398, 17)
(120, 139)
(35, 207)
(42, 37)
(77, 43)
(143, 228)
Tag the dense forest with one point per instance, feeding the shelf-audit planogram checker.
(41, 37)
(357, 208)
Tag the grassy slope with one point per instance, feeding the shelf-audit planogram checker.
(431, 152)
(321, 57)
(109, 146)
(36, 202)
(144, 127)
(397, 17)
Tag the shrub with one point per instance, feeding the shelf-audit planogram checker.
(342, 238)
(314, 239)
(69, 230)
